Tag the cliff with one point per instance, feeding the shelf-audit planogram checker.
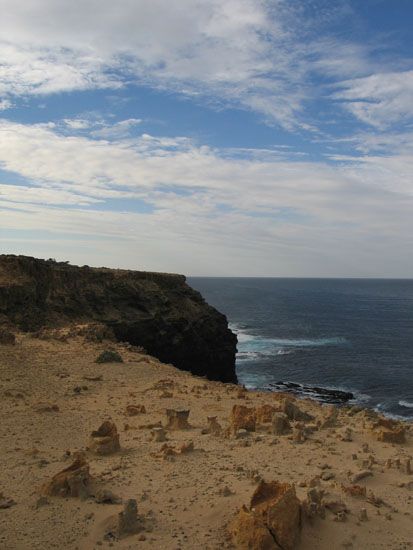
(158, 311)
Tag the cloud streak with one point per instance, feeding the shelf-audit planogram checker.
(203, 199)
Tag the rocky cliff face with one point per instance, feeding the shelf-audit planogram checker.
(158, 311)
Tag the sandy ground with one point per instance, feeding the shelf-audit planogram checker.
(184, 501)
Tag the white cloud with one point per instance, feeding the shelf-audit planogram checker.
(5, 104)
(252, 54)
(380, 99)
(280, 214)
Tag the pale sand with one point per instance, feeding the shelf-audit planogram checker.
(183, 497)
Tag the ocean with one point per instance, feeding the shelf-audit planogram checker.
(353, 335)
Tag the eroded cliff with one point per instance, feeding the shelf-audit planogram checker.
(158, 311)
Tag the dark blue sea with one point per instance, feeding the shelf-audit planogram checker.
(354, 335)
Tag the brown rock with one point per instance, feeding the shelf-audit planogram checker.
(6, 502)
(134, 410)
(46, 407)
(7, 337)
(72, 481)
(280, 424)
(295, 413)
(354, 490)
(313, 505)
(330, 421)
(264, 413)
(158, 434)
(298, 433)
(392, 436)
(105, 440)
(272, 522)
(248, 532)
(129, 523)
(186, 448)
(242, 418)
(213, 427)
(177, 419)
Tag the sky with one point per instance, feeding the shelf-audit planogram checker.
(209, 137)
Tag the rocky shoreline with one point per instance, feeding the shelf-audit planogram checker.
(134, 452)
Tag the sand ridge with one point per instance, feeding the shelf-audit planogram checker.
(54, 396)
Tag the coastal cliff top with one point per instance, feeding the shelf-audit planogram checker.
(14, 268)
(158, 311)
(190, 485)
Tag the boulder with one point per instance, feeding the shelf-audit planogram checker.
(272, 520)
(134, 410)
(397, 435)
(105, 440)
(242, 418)
(7, 337)
(158, 434)
(177, 419)
(263, 414)
(72, 481)
(109, 356)
(294, 412)
(213, 426)
(280, 424)
(129, 523)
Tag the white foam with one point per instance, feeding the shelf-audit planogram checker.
(407, 404)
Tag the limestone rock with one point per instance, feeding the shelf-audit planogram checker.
(272, 522)
(294, 412)
(7, 337)
(354, 490)
(392, 436)
(313, 505)
(298, 433)
(72, 481)
(213, 426)
(242, 418)
(177, 419)
(109, 356)
(129, 523)
(330, 421)
(280, 424)
(248, 532)
(134, 410)
(46, 407)
(6, 502)
(186, 448)
(105, 440)
(264, 413)
(361, 475)
(158, 434)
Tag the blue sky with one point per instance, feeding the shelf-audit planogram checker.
(221, 137)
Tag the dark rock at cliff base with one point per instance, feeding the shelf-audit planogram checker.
(158, 311)
(324, 395)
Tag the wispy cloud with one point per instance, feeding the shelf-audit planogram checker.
(204, 199)
(381, 99)
(250, 54)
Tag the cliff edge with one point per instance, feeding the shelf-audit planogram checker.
(158, 311)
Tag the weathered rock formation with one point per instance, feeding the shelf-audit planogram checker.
(105, 440)
(155, 310)
(72, 481)
(272, 521)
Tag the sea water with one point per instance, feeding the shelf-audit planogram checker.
(354, 335)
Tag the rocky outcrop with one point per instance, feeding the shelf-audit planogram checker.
(272, 522)
(157, 311)
(105, 440)
(72, 481)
